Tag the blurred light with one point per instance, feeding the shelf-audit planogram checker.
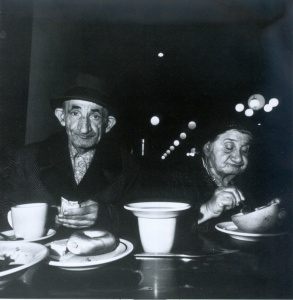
(274, 102)
(142, 147)
(176, 143)
(256, 101)
(191, 125)
(163, 157)
(168, 151)
(248, 112)
(172, 148)
(183, 136)
(160, 54)
(259, 124)
(187, 154)
(267, 108)
(239, 107)
(155, 120)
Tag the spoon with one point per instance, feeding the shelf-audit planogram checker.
(246, 209)
(10, 238)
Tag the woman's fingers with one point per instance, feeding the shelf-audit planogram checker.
(225, 198)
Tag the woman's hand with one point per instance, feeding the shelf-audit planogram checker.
(224, 198)
(82, 217)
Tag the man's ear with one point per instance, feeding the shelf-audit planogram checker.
(206, 149)
(111, 123)
(59, 113)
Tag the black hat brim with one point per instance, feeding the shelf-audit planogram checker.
(84, 94)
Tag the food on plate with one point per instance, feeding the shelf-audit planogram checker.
(59, 248)
(92, 242)
(13, 258)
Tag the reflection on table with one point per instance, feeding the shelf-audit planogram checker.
(248, 270)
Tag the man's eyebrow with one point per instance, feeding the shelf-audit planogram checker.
(74, 107)
(97, 110)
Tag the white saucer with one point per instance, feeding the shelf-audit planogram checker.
(10, 233)
(231, 229)
(83, 263)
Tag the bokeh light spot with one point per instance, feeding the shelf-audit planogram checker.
(239, 107)
(155, 120)
(191, 125)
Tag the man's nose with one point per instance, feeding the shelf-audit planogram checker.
(85, 125)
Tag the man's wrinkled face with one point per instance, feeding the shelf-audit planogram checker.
(228, 154)
(85, 123)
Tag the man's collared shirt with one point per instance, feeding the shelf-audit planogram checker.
(80, 162)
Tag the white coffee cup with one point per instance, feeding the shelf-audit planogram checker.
(28, 220)
(157, 223)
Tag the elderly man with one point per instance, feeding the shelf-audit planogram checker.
(81, 165)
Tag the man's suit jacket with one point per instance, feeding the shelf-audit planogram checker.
(44, 173)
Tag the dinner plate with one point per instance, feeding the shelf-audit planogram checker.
(231, 229)
(89, 262)
(10, 233)
(24, 255)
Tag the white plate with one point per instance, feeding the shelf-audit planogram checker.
(25, 254)
(10, 233)
(157, 209)
(82, 263)
(235, 233)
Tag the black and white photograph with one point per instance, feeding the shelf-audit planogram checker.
(146, 149)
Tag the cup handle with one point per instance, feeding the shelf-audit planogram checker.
(9, 218)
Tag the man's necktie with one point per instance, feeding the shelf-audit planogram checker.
(80, 168)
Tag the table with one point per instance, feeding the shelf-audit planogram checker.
(253, 270)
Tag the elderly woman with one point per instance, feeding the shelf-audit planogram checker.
(225, 156)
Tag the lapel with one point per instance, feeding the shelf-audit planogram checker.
(94, 180)
(54, 163)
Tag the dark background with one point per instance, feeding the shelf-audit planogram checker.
(216, 54)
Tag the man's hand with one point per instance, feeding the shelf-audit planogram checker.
(224, 198)
(82, 217)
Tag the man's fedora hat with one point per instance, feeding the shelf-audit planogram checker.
(85, 87)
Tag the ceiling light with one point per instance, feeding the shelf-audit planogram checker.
(155, 120)
(160, 54)
(183, 136)
(267, 108)
(256, 101)
(239, 107)
(172, 148)
(191, 125)
(176, 143)
(274, 102)
(248, 112)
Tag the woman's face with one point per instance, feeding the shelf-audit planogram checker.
(228, 154)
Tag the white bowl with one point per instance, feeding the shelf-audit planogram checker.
(157, 210)
(157, 223)
(24, 254)
(262, 220)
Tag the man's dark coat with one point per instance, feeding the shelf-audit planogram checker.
(44, 173)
